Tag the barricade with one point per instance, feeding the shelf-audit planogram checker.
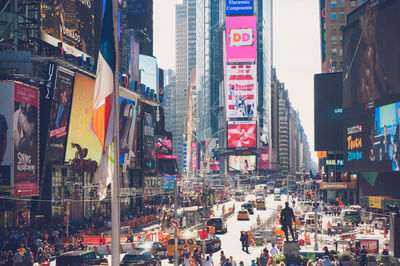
(106, 249)
(308, 240)
(279, 241)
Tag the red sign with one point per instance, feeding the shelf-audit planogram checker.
(194, 158)
(203, 234)
(263, 160)
(166, 156)
(242, 134)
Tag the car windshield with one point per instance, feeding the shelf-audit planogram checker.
(132, 258)
(69, 260)
(216, 221)
(242, 212)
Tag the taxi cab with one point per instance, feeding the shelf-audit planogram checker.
(261, 205)
(243, 215)
(183, 240)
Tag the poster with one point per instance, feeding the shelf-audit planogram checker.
(25, 136)
(242, 163)
(127, 125)
(194, 157)
(164, 143)
(242, 134)
(241, 91)
(59, 116)
(263, 160)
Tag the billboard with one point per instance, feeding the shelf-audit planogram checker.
(6, 131)
(164, 143)
(134, 59)
(242, 163)
(241, 91)
(149, 71)
(328, 112)
(148, 137)
(242, 7)
(127, 125)
(242, 135)
(74, 23)
(80, 130)
(195, 157)
(25, 136)
(371, 54)
(59, 116)
(241, 39)
(263, 160)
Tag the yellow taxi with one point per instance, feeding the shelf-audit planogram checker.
(261, 205)
(188, 241)
(243, 215)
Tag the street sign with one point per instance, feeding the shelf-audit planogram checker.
(175, 223)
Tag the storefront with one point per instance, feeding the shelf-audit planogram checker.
(154, 193)
(334, 192)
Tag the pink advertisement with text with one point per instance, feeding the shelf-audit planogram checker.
(241, 39)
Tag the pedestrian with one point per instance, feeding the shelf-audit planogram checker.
(261, 260)
(326, 261)
(232, 261)
(271, 261)
(326, 251)
(336, 260)
(274, 251)
(363, 256)
(28, 258)
(266, 254)
(282, 264)
(241, 263)
(242, 238)
(222, 258)
(246, 242)
(227, 263)
(329, 226)
(17, 259)
(310, 263)
(209, 261)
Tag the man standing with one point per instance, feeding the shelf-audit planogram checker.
(273, 251)
(363, 255)
(246, 241)
(287, 217)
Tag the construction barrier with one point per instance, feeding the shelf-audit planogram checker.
(308, 240)
(279, 241)
(106, 249)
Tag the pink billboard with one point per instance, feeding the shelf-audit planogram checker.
(263, 160)
(241, 39)
(194, 157)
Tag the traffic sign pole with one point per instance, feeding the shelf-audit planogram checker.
(176, 217)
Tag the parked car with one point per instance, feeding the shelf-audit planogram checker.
(243, 215)
(248, 207)
(156, 247)
(143, 257)
(81, 257)
(218, 223)
(213, 243)
(277, 197)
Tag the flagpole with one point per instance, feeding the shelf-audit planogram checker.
(115, 183)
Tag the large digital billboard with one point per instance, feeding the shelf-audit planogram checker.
(371, 54)
(164, 143)
(241, 39)
(195, 157)
(328, 112)
(59, 116)
(242, 135)
(148, 71)
(25, 136)
(74, 23)
(242, 163)
(6, 131)
(263, 160)
(239, 7)
(127, 124)
(241, 91)
(80, 130)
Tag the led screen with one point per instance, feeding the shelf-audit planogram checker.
(242, 163)
(242, 135)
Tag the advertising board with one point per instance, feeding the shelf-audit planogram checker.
(25, 136)
(134, 58)
(239, 7)
(371, 54)
(164, 143)
(74, 23)
(263, 160)
(328, 112)
(242, 163)
(149, 71)
(195, 157)
(242, 135)
(80, 131)
(241, 91)
(59, 116)
(6, 131)
(241, 39)
(127, 125)
(148, 137)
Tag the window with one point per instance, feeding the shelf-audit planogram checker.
(341, 3)
(333, 16)
(333, 30)
(341, 64)
(334, 52)
(333, 3)
(334, 40)
(341, 52)
(341, 15)
(334, 64)
(353, 3)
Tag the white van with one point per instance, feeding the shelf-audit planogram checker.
(239, 195)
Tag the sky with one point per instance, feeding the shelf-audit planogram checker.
(296, 50)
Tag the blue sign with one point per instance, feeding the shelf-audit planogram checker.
(239, 7)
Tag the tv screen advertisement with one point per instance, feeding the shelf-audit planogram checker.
(241, 39)
(241, 91)
(164, 144)
(6, 131)
(195, 157)
(328, 112)
(263, 160)
(242, 135)
(241, 7)
(242, 163)
(25, 136)
(127, 124)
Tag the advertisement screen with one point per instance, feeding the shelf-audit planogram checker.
(263, 160)
(6, 131)
(127, 125)
(148, 136)
(59, 116)
(80, 130)
(241, 39)
(239, 7)
(242, 134)
(74, 23)
(242, 163)
(328, 112)
(164, 143)
(25, 134)
(134, 58)
(195, 157)
(241, 91)
(371, 54)
(149, 71)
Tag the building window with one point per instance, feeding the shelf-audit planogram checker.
(333, 4)
(333, 30)
(334, 40)
(341, 64)
(341, 3)
(341, 52)
(333, 16)
(341, 15)
(353, 3)
(334, 52)
(334, 64)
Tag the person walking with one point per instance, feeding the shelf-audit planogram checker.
(246, 242)
(242, 238)
(329, 226)
(27, 258)
(363, 256)
(274, 251)
(336, 261)
(326, 261)
(222, 258)
(209, 261)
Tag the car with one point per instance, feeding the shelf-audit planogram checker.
(184, 240)
(156, 247)
(261, 205)
(253, 203)
(243, 215)
(81, 257)
(218, 223)
(248, 207)
(277, 197)
(140, 257)
(213, 243)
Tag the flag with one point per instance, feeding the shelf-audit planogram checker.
(103, 120)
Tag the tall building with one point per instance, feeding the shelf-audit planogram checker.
(169, 100)
(283, 131)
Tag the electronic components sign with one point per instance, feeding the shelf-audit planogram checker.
(239, 7)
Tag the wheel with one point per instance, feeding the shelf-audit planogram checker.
(170, 260)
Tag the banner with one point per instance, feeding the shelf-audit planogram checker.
(195, 157)
(59, 116)
(241, 39)
(242, 135)
(134, 59)
(25, 135)
(263, 160)
(242, 163)
(241, 91)
(127, 125)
